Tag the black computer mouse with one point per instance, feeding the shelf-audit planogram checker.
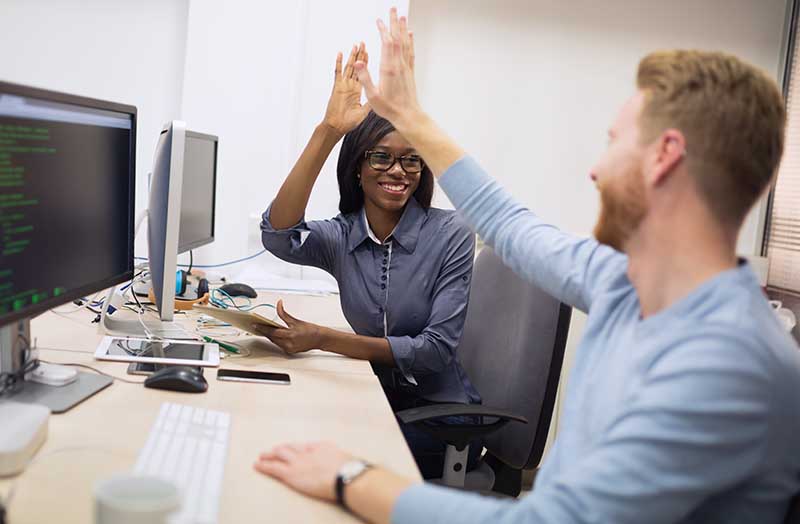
(239, 290)
(178, 378)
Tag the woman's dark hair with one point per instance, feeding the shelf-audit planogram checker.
(356, 143)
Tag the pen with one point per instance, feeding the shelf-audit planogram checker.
(223, 345)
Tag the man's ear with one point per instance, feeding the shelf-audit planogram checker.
(669, 150)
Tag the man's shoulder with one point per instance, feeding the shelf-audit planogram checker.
(742, 353)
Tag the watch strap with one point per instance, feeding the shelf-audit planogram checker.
(341, 482)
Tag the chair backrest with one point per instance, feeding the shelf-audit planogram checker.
(793, 515)
(512, 349)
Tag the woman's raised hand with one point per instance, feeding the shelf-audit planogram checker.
(345, 110)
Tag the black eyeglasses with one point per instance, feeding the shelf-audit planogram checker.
(382, 161)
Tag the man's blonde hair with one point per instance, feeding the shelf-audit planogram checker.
(732, 116)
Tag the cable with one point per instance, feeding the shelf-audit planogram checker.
(11, 381)
(136, 299)
(223, 264)
(191, 261)
(84, 302)
(133, 280)
(95, 370)
(149, 335)
(220, 302)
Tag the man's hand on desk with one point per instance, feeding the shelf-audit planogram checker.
(297, 337)
(311, 469)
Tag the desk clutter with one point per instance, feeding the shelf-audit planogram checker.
(69, 317)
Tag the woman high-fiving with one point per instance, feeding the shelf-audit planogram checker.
(403, 267)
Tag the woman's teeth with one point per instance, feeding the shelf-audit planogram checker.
(395, 188)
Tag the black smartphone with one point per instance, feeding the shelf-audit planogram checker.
(237, 375)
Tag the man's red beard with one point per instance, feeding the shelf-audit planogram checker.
(622, 209)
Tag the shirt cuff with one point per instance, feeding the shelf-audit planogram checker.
(414, 504)
(463, 179)
(403, 352)
(267, 227)
(437, 504)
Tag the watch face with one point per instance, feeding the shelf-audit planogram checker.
(351, 469)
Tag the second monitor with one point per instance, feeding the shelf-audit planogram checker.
(198, 191)
(181, 206)
(180, 218)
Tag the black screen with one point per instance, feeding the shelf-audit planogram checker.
(66, 197)
(265, 376)
(145, 348)
(197, 193)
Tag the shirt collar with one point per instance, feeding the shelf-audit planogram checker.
(702, 297)
(405, 233)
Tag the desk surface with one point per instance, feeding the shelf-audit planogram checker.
(331, 398)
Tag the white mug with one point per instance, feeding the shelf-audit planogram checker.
(134, 499)
(786, 316)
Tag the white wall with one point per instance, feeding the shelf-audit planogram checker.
(255, 73)
(127, 52)
(258, 74)
(529, 87)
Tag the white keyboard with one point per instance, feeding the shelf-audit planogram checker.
(188, 447)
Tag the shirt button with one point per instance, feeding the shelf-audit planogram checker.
(464, 278)
(383, 286)
(380, 309)
(384, 269)
(383, 277)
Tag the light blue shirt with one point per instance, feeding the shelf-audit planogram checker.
(690, 415)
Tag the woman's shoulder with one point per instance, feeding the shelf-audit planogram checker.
(344, 221)
(448, 220)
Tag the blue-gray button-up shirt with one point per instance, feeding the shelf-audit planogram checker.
(411, 289)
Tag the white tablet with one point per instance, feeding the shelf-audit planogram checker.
(176, 352)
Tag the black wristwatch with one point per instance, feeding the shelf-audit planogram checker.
(347, 474)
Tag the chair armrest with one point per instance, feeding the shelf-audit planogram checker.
(457, 434)
(437, 411)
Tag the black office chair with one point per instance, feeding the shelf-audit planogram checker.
(512, 349)
(793, 515)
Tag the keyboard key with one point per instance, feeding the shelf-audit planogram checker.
(188, 446)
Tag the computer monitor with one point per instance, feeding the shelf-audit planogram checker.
(198, 191)
(181, 209)
(163, 215)
(67, 170)
(180, 217)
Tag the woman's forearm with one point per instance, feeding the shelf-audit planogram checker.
(289, 205)
(374, 349)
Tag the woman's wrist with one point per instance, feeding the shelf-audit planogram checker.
(329, 132)
(326, 337)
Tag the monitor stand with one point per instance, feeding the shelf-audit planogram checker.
(133, 327)
(14, 340)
